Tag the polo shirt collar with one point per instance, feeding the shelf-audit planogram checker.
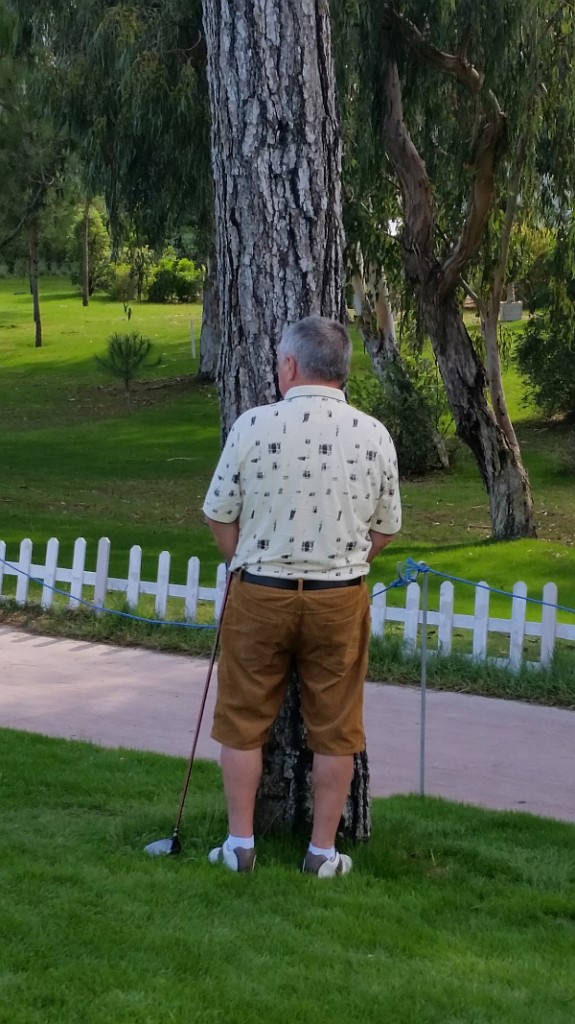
(314, 390)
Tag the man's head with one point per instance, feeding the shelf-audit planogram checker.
(314, 350)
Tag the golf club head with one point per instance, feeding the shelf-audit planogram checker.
(163, 847)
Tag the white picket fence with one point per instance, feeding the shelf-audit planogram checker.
(92, 587)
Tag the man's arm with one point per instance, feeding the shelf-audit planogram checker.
(225, 535)
(378, 542)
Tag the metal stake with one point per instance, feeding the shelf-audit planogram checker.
(424, 593)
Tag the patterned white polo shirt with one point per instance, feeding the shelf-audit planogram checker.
(308, 478)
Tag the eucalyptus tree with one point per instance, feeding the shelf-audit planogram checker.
(276, 170)
(458, 118)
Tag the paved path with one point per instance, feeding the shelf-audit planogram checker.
(498, 754)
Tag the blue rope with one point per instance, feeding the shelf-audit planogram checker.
(412, 569)
(109, 611)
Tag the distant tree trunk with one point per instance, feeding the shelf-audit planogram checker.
(505, 479)
(210, 335)
(276, 160)
(34, 255)
(86, 253)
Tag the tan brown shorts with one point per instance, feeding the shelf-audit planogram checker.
(264, 631)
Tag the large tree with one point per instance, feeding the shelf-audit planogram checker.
(458, 115)
(276, 170)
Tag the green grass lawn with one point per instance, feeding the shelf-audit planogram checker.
(452, 915)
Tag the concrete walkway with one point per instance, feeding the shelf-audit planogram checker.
(498, 754)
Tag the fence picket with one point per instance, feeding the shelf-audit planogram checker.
(77, 581)
(2, 560)
(481, 622)
(192, 589)
(163, 584)
(548, 623)
(221, 577)
(102, 572)
(24, 564)
(517, 633)
(445, 628)
(52, 550)
(378, 609)
(134, 576)
(411, 616)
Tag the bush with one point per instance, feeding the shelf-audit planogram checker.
(122, 284)
(411, 402)
(546, 358)
(176, 281)
(546, 351)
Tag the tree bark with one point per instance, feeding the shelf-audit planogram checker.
(86, 254)
(210, 333)
(34, 255)
(276, 161)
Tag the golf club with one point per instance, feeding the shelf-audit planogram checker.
(163, 847)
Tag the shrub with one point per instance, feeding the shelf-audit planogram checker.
(411, 401)
(127, 354)
(546, 351)
(176, 281)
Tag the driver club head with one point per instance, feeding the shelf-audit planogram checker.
(163, 847)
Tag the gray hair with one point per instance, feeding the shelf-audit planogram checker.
(321, 348)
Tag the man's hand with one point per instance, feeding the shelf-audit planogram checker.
(378, 542)
(226, 536)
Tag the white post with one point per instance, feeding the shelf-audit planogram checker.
(192, 587)
(425, 595)
(102, 572)
(445, 630)
(134, 576)
(481, 622)
(411, 616)
(517, 633)
(221, 577)
(24, 563)
(378, 608)
(77, 581)
(2, 566)
(548, 623)
(163, 584)
(52, 548)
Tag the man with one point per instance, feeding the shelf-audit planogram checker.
(304, 496)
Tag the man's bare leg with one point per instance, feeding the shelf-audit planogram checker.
(242, 771)
(331, 784)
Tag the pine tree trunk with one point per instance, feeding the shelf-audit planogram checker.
(210, 334)
(34, 251)
(276, 160)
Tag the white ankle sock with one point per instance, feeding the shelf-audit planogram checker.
(235, 842)
(318, 851)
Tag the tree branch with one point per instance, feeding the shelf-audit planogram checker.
(484, 158)
(34, 205)
(417, 235)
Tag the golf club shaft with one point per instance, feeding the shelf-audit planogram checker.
(202, 706)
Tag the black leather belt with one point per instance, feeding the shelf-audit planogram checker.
(280, 583)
